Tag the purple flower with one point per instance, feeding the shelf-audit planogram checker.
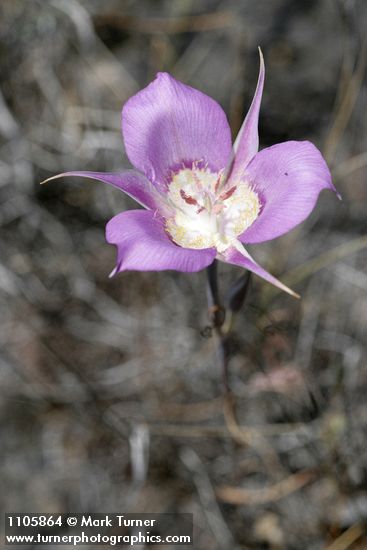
(203, 198)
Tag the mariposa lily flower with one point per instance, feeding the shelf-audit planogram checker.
(203, 198)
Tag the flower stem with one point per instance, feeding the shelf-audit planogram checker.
(217, 315)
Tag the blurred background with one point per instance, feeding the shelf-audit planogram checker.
(110, 392)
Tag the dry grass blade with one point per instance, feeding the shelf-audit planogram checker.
(346, 106)
(323, 260)
(201, 431)
(348, 537)
(238, 496)
(173, 25)
(350, 165)
(206, 494)
(250, 437)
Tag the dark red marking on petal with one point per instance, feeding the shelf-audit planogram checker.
(187, 198)
(228, 193)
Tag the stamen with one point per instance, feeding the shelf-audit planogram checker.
(188, 198)
(197, 181)
(219, 216)
(217, 184)
(228, 193)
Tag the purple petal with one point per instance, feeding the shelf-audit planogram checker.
(169, 124)
(143, 245)
(288, 178)
(233, 256)
(130, 182)
(247, 142)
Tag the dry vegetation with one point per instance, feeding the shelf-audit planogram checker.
(111, 395)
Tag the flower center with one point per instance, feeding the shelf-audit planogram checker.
(207, 211)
